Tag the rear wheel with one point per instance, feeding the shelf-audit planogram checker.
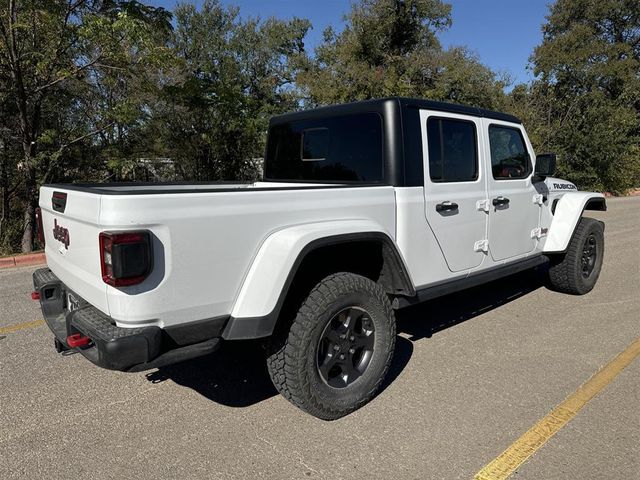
(577, 270)
(338, 349)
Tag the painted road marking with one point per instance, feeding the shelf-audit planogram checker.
(514, 456)
(20, 326)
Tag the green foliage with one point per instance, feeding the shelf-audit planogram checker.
(585, 103)
(237, 74)
(390, 47)
(58, 59)
(11, 235)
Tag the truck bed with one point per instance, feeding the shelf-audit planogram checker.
(204, 238)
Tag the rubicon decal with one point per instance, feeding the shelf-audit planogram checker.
(564, 186)
(60, 233)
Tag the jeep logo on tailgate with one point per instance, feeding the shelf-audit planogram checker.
(60, 233)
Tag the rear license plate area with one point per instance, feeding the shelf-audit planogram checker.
(73, 303)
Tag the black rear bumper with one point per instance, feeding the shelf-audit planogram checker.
(113, 347)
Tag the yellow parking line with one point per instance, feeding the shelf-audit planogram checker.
(541, 432)
(21, 326)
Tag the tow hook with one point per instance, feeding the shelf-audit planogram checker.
(35, 295)
(60, 347)
(78, 340)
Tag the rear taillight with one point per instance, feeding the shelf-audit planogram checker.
(39, 226)
(125, 257)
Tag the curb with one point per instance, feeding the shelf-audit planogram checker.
(23, 260)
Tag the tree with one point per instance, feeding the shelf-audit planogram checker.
(390, 47)
(46, 45)
(587, 91)
(236, 74)
(9, 153)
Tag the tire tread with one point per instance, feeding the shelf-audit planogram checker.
(290, 351)
(564, 271)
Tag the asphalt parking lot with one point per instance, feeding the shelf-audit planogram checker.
(473, 372)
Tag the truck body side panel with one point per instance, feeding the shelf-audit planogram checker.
(203, 243)
(275, 260)
(416, 240)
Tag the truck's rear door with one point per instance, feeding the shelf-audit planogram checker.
(454, 184)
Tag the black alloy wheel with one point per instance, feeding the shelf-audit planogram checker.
(346, 347)
(334, 355)
(589, 255)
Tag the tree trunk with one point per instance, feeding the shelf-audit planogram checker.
(4, 184)
(30, 201)
(27, 236)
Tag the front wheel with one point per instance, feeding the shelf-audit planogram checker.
(338, 349)
(577, 270)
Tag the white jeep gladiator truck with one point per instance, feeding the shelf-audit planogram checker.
(364, 208)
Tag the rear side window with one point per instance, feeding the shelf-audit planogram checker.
(337, 149)
(509, 156)
(453, 150)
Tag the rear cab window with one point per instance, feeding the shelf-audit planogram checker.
(345, 148)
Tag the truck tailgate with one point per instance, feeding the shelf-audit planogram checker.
(70, 224)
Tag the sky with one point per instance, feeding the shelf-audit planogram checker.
(503, 33)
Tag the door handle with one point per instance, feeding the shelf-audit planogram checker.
(446, 207)
(500, 201)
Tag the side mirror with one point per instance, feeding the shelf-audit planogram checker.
(545, 165)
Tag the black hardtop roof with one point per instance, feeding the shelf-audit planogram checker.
(402, 102)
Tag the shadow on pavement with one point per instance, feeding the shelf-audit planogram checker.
(236, 375)
(425, 319)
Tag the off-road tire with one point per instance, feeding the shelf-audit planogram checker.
(566, 270)
(292, 360)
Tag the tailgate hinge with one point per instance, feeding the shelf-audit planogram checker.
(483, 205)
(539, 232)
(538, 199)
(481, 246)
